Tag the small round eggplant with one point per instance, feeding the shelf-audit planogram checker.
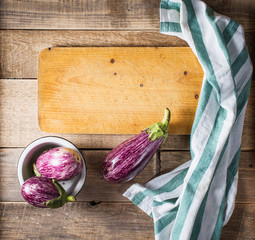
(44, 192)
(128, 159)
(59, 163)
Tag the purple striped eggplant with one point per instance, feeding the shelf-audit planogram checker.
(58, 163)
(44, 192)
(125, 161)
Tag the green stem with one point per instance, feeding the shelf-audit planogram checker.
(62, 199)
(36, 172)
(71, 199)
(165, 122)
(160, 129)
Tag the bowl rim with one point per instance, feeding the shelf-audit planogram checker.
(52, 138)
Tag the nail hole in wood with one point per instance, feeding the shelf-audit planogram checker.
(196, 96)
(112, 60)
(94, 203)
(185, 72)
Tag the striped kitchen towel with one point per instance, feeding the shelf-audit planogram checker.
(195, 200)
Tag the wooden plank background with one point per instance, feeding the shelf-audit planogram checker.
(26, 28)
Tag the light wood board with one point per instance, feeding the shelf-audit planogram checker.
(117, 90)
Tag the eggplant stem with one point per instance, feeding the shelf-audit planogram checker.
(70, 198)
(160, 129)
(62, 199)
(36, 172)
(165, 122)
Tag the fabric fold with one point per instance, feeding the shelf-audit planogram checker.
(196, 199)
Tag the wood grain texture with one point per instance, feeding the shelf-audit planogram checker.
(19, 123)
(245, 192)
(95, 188)
(103, 221)
(117, 90)
(241, 225)
(105, 14)
(75, 221)
(28, 44)
(15, 43)
(19, 50)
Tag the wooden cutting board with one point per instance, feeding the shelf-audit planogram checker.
(117, 90)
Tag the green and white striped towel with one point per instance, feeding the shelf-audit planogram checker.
(195, 200)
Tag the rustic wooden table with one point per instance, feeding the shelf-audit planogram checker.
(100, 212)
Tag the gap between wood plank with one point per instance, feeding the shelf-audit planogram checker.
(88, 29)
(108, 202)
(109, 149)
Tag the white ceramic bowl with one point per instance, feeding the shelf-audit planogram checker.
(35, 149)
